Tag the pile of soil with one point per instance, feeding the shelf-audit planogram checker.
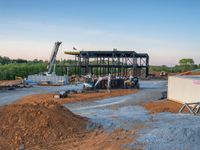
(38, 124)
(164, 106)
(189, 73)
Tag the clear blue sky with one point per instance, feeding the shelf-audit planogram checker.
(166, 29)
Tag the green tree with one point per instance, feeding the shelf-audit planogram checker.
(186, 62)
(10, 71)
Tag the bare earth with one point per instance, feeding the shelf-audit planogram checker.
(99, 139)
(163, 106)
(9, 82)
(41, 122)
(78, 97)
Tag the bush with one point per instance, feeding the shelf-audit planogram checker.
(10, 71)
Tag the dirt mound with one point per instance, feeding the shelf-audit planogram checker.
(163, 106)
(37, 124)
(194, 72)
(77, 97)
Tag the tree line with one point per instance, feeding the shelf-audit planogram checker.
(11, 68)
(185, 64)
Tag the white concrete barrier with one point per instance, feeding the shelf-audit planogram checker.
(184, 89)
(52, 79)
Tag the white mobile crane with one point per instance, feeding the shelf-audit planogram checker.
(52, 60)
(49, 77)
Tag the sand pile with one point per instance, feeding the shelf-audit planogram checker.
(37, 124)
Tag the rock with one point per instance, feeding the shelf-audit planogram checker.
(22, 147)
(56, 96)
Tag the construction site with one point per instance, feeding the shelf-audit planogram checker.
(112, 102)
(99, 75)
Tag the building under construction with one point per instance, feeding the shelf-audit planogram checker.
(117, 63)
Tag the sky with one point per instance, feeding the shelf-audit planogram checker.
(167, 30)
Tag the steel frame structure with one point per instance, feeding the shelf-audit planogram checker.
(118, 63)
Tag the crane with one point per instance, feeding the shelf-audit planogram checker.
(52, 60)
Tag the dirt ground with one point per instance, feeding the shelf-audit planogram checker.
(77, 97)
(51, 126)
(163, 106)
(4, 83)
(98, 140)
(41, 122)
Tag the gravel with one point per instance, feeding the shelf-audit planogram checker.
(172, 131)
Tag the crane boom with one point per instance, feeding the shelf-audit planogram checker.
(52, 59)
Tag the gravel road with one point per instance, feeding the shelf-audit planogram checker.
(123, 111)
(9, 96)
(159, 131)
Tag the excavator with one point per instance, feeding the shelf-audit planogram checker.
(132, 82)
(91, 85)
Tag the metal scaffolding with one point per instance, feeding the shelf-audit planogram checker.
(118, 63)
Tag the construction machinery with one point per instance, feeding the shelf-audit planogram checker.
(108, 83)
(61, 94)
(132, 82)
(49, 77)
(91, 84)
(163, 73)
(72, 79)
(52, 60)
